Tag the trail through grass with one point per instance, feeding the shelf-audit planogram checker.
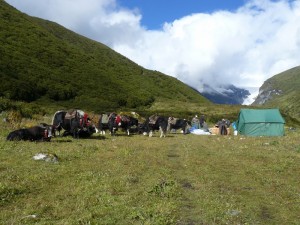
(180, 179)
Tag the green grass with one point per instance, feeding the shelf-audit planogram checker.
(180, 179)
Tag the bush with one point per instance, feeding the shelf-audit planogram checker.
(5, 104)
(14, 118)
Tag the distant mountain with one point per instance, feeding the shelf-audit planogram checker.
(282, 91)
(228, 94)
(45, 63)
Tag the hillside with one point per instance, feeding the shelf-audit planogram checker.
(45, 63)
(282, 90)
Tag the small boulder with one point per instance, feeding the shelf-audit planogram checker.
(48, 157)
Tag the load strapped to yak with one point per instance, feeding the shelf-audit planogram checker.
(75, 122)
(153, 119)
(78, 114)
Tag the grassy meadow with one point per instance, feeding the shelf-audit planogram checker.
(180, 179)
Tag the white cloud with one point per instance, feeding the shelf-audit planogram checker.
(242, 47)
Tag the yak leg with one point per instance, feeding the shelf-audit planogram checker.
(113, 131)
(97, 131)
(150, 133)
(162, 132)
(75, 134)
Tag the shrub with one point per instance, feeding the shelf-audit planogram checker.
(14, 118)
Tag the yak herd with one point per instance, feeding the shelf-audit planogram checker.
(78, 124)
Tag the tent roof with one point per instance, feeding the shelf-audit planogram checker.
(261, 116)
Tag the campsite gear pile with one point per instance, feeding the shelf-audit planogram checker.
(235, 132)
(195, 122)
(222, 127)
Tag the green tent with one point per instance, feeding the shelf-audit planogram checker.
(260, 122)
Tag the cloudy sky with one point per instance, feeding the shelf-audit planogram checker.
(239, 42)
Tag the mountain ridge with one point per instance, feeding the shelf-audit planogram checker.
(282, 91)
(229, 94)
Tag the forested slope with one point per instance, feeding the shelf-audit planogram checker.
(43, 62)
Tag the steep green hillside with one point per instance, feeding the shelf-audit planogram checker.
(45, 63)
(283, 91)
